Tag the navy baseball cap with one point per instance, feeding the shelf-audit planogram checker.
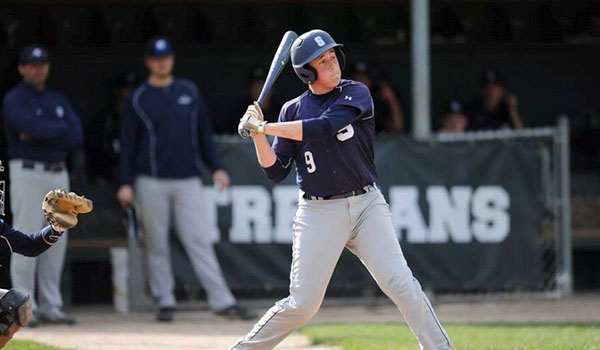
(34, 54)
(454, 107)
(158, 47)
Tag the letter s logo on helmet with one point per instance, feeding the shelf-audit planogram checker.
(309, 46)
(319, 41)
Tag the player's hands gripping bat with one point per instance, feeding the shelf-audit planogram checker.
(282, 55)
(61, 209)
(252, 121)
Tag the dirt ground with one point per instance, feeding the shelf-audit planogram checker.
(101, 329)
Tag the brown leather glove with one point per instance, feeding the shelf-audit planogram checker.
(61, 209)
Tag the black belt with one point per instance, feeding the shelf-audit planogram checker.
(54, 167)
(365, 189)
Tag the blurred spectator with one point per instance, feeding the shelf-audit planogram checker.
(447, 27)
(102, 145)
(388, 113)
(454, 119)
(254, 85)
(495, 108)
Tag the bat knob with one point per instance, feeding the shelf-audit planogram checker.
(244, 133)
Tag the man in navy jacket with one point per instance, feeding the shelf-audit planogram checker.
(41, 128)
(165, 135)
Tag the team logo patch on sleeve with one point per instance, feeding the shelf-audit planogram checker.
(184, 100)
(60, 111)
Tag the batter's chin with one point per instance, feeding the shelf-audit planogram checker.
(336, 80)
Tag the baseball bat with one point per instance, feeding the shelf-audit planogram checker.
(282, 55)
(132, 232)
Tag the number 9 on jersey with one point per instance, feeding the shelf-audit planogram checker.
(311, 167)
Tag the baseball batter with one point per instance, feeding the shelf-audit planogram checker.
(328, 132)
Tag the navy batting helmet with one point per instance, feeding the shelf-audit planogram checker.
(309, 46)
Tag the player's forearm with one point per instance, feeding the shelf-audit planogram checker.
(288, 130)
(264, 153)
(126, 167)
(396, 121)
(31, 245)
(516, 119)
(44, 131)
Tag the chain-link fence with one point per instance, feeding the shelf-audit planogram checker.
(551, 144)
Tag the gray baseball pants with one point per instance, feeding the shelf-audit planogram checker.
(27, 190)
(322, 228)
(158, 198)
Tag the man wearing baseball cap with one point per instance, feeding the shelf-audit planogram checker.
(495, 108)
(454, 119)
(165, 134)
(41, 128)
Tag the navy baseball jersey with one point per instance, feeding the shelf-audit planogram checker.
(336, 154)
(46, 118)
(165, 132)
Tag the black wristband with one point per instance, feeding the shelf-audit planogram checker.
(51, 236)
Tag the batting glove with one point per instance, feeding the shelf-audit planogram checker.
(253, 120)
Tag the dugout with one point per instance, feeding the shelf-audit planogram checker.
(548, 49)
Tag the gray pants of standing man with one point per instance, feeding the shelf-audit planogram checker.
(27, 190)
(158, 198)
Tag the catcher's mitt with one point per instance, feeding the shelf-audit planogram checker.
(61, 208)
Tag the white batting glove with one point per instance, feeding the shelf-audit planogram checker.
(253, 120)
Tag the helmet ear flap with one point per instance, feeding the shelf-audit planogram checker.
(311, 74)
(307, 74)
(341, 57)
